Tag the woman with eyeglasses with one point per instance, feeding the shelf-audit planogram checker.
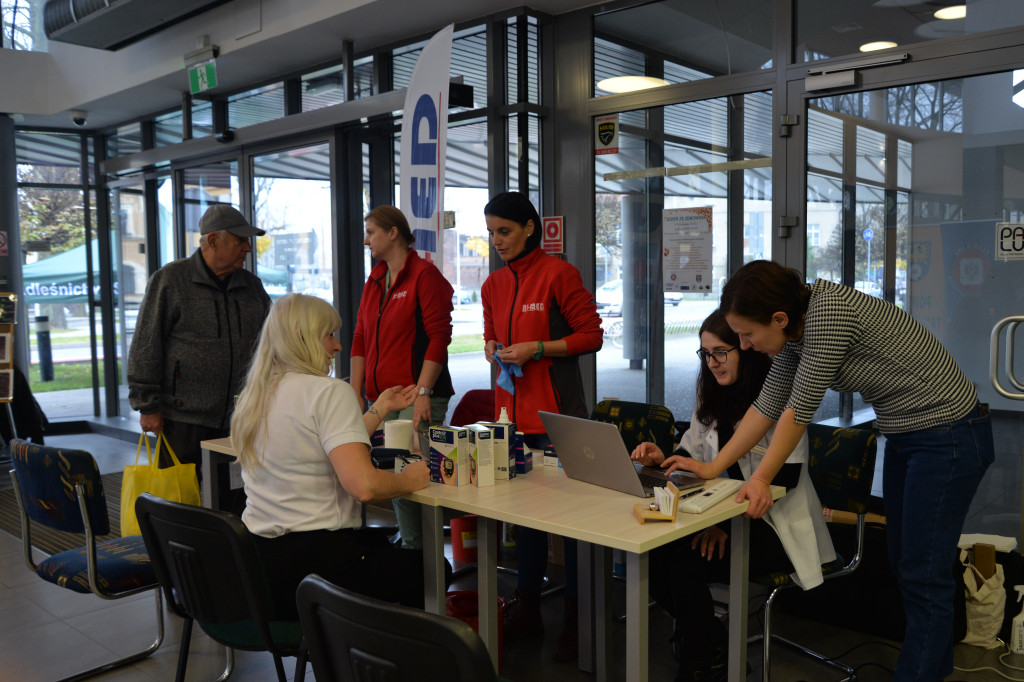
(793, 534)
(938, 437)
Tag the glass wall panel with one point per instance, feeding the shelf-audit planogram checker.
(167, 129)
(469, 60)
(128, 226)
(126, 140)
(323, 88)
(957, 185)
(256, 106)
(682, 41)
(674, 163)
(834, 29)
(214, 183)
(292, 202)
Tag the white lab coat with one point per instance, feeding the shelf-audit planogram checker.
(796, 518)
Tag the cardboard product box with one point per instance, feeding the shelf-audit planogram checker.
(551, 457)
(449, 455)
(523, 454)
(504, 454)
(481, 453)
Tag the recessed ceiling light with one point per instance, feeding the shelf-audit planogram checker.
(953, 12)
(877, 45)
(622, 84)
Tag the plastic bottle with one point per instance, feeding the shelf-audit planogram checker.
(503, 417)
(1017, 631)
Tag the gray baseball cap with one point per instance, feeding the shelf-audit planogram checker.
(227, 217)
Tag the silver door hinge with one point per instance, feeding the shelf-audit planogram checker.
(786, 123)
(786, 224)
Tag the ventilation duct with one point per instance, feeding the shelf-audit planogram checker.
(112, 24)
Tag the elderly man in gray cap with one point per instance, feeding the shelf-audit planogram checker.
(196, 330)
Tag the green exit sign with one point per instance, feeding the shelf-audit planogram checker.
(202, 77)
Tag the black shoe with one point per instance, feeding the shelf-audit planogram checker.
(523, 618)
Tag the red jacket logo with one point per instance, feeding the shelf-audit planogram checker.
(533, 307)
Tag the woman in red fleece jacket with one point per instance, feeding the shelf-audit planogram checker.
(403, 328)
(537, 315)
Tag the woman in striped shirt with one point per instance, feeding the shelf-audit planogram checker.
(938, 437)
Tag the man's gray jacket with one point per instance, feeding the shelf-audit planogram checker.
(193, 342)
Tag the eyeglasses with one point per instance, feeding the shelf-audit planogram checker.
(720, 356)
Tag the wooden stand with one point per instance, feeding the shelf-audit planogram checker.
(644, 513)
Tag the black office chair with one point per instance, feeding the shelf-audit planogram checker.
(841, 466)
(352, 638)
(208, 565)
(61, 489)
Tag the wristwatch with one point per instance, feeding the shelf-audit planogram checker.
(425, 391)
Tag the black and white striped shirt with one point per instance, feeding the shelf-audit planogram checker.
(855, 342)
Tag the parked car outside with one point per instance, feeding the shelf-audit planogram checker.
(461, 296)
(609, 298)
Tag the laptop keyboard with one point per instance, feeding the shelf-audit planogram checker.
(651, 482)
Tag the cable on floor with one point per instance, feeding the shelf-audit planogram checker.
(988, 668)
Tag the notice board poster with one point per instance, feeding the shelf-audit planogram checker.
(686, 249)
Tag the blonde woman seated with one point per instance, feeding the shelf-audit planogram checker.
(305, 453)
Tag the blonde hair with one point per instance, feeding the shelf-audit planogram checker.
(291, 341)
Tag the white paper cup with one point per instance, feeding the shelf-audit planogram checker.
(398, 434)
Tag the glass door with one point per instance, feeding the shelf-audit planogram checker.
(910, 193)
(705, 163)
(292, 201)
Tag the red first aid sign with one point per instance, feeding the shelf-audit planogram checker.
(553, 240)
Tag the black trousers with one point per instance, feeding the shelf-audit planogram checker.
(185, 439)
(361, 560)
(679, 578)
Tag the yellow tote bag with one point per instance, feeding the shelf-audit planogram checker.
(177, 482)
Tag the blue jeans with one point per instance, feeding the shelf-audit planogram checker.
(929, 479)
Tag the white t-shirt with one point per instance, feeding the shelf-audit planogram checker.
(297, 488)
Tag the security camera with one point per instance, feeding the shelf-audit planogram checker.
(79, 117)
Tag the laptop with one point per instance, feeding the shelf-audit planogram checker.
(593, 452)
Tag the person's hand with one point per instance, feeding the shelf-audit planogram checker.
(489, 349)
(152, 422)
(420, 410)
(679, 462)
(395, 398)
(417, 474)
(648, 454)
(711, 538)
(760, 495)
(517, 353)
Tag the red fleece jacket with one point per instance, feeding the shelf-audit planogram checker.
(397, 331)
(540, 297)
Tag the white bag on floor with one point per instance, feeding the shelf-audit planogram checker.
(986, 601)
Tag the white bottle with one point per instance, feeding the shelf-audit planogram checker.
(1017, 631)
(503, 417)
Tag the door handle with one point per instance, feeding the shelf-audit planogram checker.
(1011, 328)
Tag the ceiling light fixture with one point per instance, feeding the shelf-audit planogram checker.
(952, 12)
(877, 45)
(623, 84)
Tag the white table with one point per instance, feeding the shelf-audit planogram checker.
(214, 451)
(545, 499)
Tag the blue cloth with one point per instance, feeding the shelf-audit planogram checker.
(505, 372)
(929, 479)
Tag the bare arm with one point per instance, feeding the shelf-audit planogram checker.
(428, 377)
(391, 399)
(749, 433)
(360, 479)
(785, 439)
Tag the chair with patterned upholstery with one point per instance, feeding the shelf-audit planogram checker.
(62, 490)
(211, 572)
(638, 422)
(842, 467)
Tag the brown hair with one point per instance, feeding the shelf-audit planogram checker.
(388, 217)
(762, 288)
(726, 405)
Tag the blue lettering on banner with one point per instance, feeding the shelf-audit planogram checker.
(424, 153)
(423, 194)
(426, 240)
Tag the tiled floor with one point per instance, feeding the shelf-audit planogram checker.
(48, 632)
